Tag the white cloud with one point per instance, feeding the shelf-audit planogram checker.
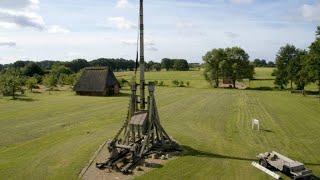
(6, 25)
(121, 23)
(10, 44)
(242, 1)
(122, 3)
(22, 18)
(55, 29)
(311, 12)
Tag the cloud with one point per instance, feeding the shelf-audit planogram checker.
(22, 18)
(19, 4)
(121, 23)
(10, 44)
(242, 1)
(231, 35)
(55, 29)
(21, 13)
(311, 12)
(6, 25)
(122, 3)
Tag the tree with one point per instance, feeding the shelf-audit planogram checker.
(271, 64)
(20, 64)
(180, 65)
(257, 63)
(31, 83)
(167, 64)
(212, 60)
(156, 66)
(285, 55)
(11, 82)
(50, 80)
(295, 73)
(236, 66)
(31, 69)
(77, 64)
(313, 60)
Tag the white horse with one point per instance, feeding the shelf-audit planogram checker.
(255, 122)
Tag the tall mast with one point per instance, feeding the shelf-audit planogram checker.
(142, 81)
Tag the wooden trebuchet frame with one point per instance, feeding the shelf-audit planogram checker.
(142, 131)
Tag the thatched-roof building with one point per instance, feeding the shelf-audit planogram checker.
(97, 82)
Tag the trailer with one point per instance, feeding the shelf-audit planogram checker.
(294, 169)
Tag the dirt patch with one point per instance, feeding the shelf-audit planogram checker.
(90, 172)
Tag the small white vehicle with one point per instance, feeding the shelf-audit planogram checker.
(288, 166)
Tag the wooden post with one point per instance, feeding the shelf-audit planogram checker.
(142, 100)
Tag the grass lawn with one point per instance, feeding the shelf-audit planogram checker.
(53, 136)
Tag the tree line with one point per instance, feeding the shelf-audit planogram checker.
(298, 66)
(14, 77)
(230, 64)
(263, 63)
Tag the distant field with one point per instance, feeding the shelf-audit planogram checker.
(196, 79)
(53, 136)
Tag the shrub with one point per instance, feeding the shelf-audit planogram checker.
(181, 83)
(161, 83)
(175, 82)
(188, 83)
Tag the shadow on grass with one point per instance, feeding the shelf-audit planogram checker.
(24, 99)
(266, 130)
(197, 153)
(263, 88)
(313, 177)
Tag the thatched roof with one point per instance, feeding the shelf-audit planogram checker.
(95, 80)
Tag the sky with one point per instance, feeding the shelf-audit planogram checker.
(68, 29)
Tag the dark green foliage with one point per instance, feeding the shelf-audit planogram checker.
(284, 57)
(230, 63)
(167, 64)
(47, 64)
(114, 64)
(77, 64)
(31, 69)
(263, 63)
(152, 66)
(212, 60)
(313, 60)
(11, 82)
(180, 65)
(174, 64)
(20, 64)
(188, 83)
(175, 82)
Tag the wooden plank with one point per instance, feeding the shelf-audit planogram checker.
(265, 170)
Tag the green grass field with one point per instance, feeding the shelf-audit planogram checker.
(52, 136)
